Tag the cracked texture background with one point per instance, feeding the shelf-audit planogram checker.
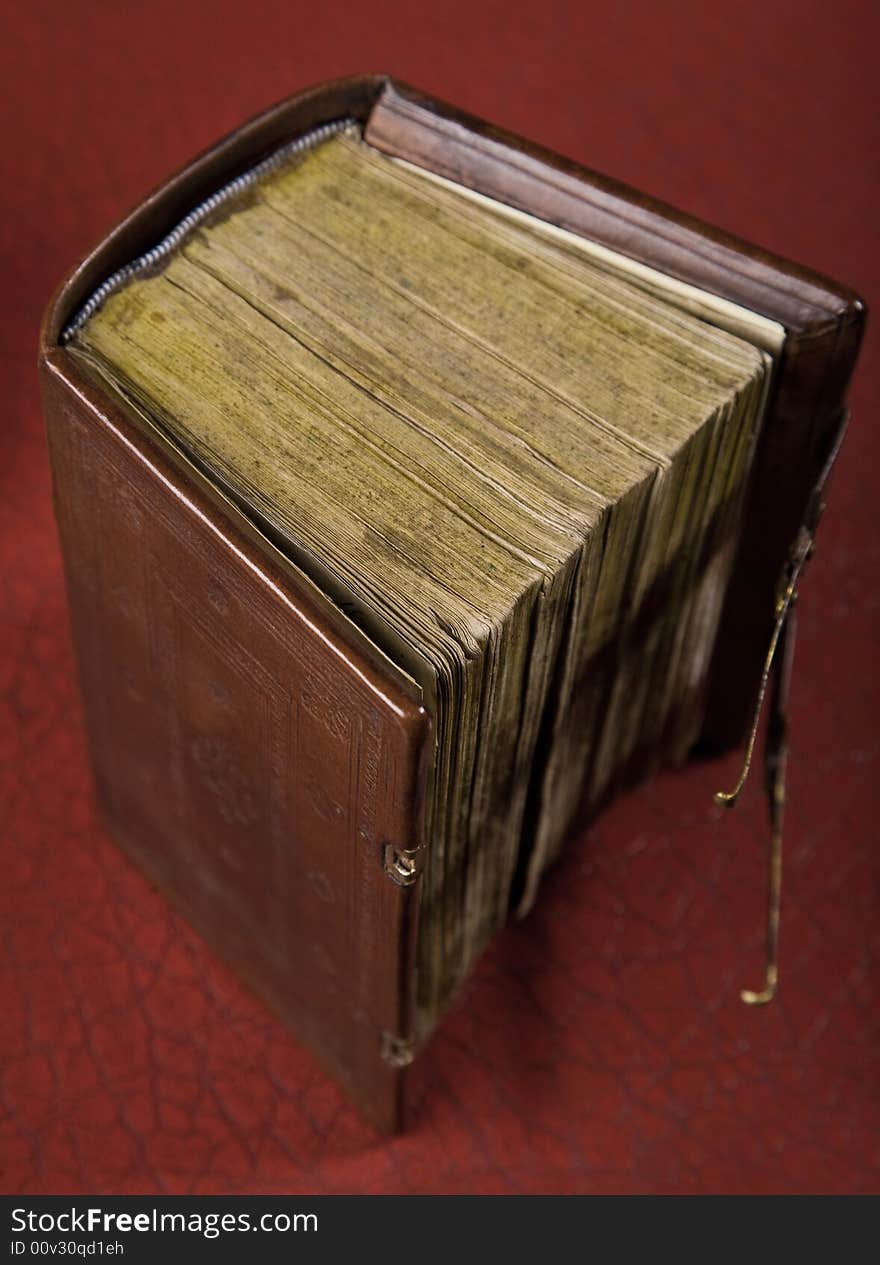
(601, 1045)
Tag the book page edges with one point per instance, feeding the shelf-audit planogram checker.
(759, 330)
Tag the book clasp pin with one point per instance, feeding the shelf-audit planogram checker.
(397, 1051)
(400, 865)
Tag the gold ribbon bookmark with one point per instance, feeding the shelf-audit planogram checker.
(777, 667)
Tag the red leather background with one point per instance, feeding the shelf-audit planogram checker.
(601, 1045)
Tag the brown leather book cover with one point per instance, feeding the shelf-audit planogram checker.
(252, 753)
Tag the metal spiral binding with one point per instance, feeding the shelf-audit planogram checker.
(195, 217)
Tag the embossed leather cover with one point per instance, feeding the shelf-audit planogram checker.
(251, 762)
(251, 754)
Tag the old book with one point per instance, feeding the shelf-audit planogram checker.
(417, 490)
